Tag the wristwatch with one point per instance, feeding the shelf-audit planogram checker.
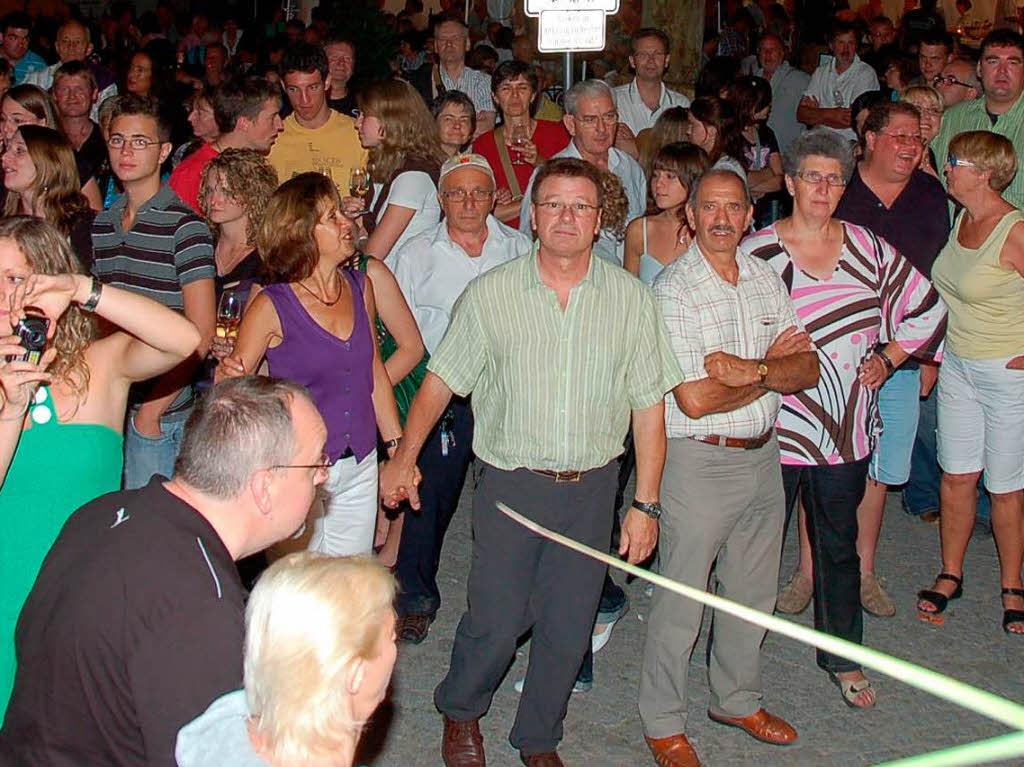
(653, 510)
(762, 372)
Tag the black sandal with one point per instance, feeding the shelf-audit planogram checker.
(1012, 615)
(939, 599)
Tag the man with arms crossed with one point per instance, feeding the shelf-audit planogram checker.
(739, 343)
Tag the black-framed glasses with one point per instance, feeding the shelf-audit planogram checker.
(137, 143)
(325, 464)
(959, 162)
(949, 80)
(814, 178)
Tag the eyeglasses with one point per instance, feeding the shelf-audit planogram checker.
(459, 195)
(608, 118)
(950, 80)
(905, 138)
(137, 143)
(325, 464)
(814, 178)
(575, 208)
(649, 55)
(957, 162)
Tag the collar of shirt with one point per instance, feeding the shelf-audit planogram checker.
(158, 200)
(702, 271)
(532, 279)
(614, 160)
(1014, 115)
(636, 98)
(849, 71)
(494, 239)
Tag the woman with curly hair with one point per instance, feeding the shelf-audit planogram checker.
(28, 105)
(74, 413)
(41, 180)
(405, 161)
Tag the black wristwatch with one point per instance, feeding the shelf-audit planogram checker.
(653, 510)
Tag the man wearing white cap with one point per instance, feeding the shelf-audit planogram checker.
(433, 268)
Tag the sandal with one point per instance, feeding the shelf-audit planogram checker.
(874, 599)
(938, 599)
(795, 595)
(1012, 615)
(851, 690)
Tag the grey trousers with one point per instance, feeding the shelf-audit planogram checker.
(519, 580)
(725, 504)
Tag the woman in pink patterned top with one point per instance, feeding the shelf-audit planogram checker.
(866, 309)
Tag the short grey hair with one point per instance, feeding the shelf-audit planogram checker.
(819, 142)
(586, 89)
(237, 428)
(718, 172)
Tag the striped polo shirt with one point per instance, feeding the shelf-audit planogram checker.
(168, 247)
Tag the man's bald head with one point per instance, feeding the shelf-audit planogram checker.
(73, 43)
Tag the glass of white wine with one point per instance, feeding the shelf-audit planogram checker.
(359, 187)
(229, 315)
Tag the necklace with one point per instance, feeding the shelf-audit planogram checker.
(341, 292)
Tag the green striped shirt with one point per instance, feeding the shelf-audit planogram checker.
(551, 389)
(971, 115)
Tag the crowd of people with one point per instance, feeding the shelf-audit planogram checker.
(264, 323)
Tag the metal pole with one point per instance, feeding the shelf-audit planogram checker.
(568, 71)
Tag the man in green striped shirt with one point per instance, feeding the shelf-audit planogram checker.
(1000, 109)
(559, 350)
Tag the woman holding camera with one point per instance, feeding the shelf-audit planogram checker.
(75, 409)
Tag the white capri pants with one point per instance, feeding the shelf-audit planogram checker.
(981, 421)
(349, 517)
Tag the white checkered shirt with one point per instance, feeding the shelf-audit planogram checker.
(475, 84)
(705, 314)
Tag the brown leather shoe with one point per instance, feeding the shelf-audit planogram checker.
(673, 751)
(462, 745)
(761, 725)
(413, 628)
(550, 759)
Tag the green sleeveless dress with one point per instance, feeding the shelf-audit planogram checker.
(56, 469)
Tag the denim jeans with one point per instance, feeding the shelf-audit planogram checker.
(145, 456)
(921, 493)
(830, 495)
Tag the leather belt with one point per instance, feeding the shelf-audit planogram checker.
(560, 476)
(745, 443)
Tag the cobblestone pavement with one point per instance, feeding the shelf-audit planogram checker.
(603, 726)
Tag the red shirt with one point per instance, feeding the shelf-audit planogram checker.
(188, 176)
(550, 138)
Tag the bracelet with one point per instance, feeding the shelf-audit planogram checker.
(94, 296)
(885, 358)
(392, 443)
(653, 510)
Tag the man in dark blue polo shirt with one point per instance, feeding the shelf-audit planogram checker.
(152, 242)
(890, 195)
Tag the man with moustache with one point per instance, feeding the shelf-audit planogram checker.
(736, 336)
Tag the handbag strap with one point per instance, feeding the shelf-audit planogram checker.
(506, 162)
(438, 86)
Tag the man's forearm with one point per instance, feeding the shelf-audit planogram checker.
(649, 441)
(427, 406)
(792, 373)
(706, 396)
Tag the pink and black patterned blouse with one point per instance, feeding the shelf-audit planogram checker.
(874, 297)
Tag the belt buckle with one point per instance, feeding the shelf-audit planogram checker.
(568, 476)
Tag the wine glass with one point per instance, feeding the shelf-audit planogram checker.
(229, 314)
(517, 136)
(837, 97)
(359, 187)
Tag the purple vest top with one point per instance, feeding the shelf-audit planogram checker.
(339, 374)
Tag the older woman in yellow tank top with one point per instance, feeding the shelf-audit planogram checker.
(980, 276)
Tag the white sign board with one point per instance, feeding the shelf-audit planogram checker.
(560, 31)
(537, 7)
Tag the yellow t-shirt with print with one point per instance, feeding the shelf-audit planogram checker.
(332, 149)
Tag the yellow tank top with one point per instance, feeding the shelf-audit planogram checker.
(985, 299)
